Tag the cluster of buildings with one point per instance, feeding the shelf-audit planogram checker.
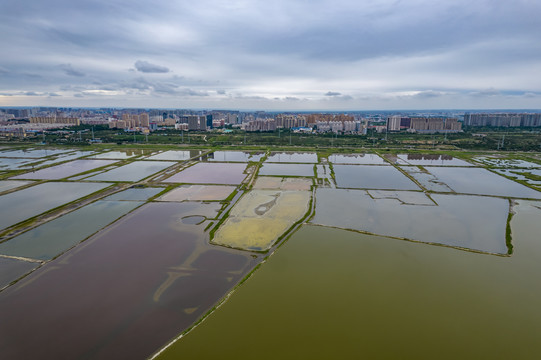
(503, 119)
(337, 123)
(423, 124)
(22, 121)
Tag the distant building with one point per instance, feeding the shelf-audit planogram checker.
(433, 125)
(260, 125)
(502, 120)
(393, 123)
(55, 120)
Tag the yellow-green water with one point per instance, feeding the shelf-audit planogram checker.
(331, 293)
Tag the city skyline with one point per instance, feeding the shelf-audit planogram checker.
(284, 55)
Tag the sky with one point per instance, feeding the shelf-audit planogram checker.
(271, 55)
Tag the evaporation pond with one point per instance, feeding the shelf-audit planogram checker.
(293, 157)
(65, 170)
(198, 193)
(135, 194)
(330, 293)
(210, 173)
(361, 159)
(531, 176)
(34, 200)
(32, 153)
(276, 183)
(287, 169)
(126, 154)
(432, 159)
(472, 222)
(66, 157)
(235, 156)
(6, 185)
(15, 164)
(174, 155)
(12, 269)
(52, 238)
(134, 171)
(124, 292)
(372, 177)
(260, 217)
(481, 181)
(506, 163)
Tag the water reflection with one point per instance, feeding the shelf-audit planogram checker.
(331, 293)
(6, 185)
(432, 159)
(175, 155)
(481, 181)
(65, 170)
(235, 156)
(122, 293)
(12, 269)
(50, 239)
(287, 169)
(286, 157)
(32, 153)
(362, 159)
(43, 197)
(134, 171)
(454, 221)
(372, 177)
(210, 173)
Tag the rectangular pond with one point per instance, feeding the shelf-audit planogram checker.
(360, 159)
(15, 206)
(210, 173)
(260, 217)
(32, 153)
(134, 171)
(65, 170)
(287, 169)
(53, 238)
(66, 157)
(124, 292)
(481, 181)
(276, 183)
(135, 194)
(16, 164)
(471, 222)
(372, 177)
(175, 155)
(198, 193)
(432, 160)
(119, 154)
(6, 185)
(293, 157)
(235, 156)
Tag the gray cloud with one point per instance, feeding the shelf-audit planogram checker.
(450, 54)
(69, 70)
(146, 67)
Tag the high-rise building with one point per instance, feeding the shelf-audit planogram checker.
(393, 123)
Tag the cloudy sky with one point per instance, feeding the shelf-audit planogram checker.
(271, 55)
